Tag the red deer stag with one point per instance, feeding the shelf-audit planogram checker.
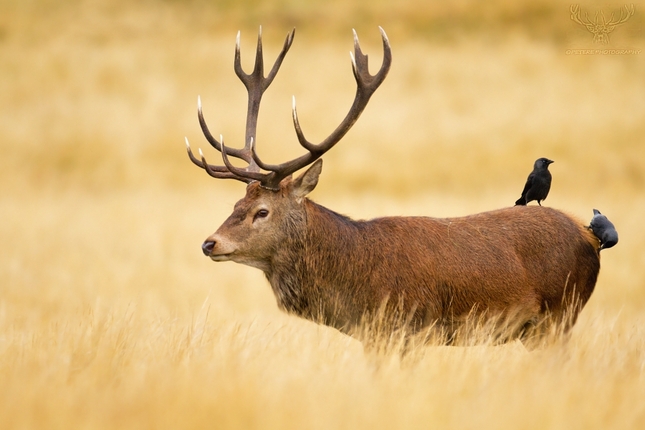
(534, 263)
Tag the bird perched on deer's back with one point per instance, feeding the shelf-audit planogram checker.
(537, 184)
(604, 230)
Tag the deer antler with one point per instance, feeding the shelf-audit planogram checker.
(366, 84)
(629, 11)
(256, 84)
(575, 17)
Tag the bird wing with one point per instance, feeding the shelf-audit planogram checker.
(529, 184)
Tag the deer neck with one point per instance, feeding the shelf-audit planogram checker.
(303, 271)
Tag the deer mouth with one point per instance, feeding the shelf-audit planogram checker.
(214, 250)
(220, 257)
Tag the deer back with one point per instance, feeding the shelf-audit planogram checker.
(526, 259)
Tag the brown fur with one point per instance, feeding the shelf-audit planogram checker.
(526, 262)
(519, 266)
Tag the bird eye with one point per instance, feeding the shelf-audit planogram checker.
(262, 213)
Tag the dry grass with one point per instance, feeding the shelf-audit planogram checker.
(110, 317)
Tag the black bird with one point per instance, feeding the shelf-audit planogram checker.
(537, 184)
(604, 230)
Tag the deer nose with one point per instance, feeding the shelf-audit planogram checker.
(207, 247)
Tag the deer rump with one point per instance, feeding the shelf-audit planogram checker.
(522, 265)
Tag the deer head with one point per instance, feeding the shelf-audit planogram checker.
(273, 203)
(600, 27)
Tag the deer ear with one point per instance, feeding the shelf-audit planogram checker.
(305, 183)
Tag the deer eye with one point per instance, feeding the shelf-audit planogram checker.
(262, 213)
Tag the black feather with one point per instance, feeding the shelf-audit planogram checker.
(537, 184)
(604, 230)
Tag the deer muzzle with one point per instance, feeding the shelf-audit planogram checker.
(218, 248)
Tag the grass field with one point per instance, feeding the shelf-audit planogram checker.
(111, 317)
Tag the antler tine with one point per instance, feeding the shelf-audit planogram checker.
(218, 172)
(259, 57)
(237, 63)
(278, 62)
(202, 122)
(191, 156)
(200, 163)
(250, 173)
(256, 158)
(366, 84)
(296, 124)
(237, 153)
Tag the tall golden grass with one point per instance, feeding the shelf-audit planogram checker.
(110, 317)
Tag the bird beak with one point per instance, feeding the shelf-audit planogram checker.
(549, 161)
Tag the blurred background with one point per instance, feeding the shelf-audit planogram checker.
(111, 317)
(100, 202)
